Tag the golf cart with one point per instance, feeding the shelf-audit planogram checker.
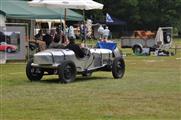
(65, 64)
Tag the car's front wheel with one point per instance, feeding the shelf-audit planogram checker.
(67, 72)
(33, 73)
(9, 50)
(118, 67)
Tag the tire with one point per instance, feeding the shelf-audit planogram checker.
(33, 73)
(167, 37)
(67, 72)
(118, 68)
(9, 50)
(137, 49)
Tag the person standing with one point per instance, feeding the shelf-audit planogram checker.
(100, 32)
(89, 28)
(71, 33)
(66, 31)
(106, 33)
(83, 31)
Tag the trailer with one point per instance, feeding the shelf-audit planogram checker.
(161, 42)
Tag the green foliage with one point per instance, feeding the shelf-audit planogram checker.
(145, 14)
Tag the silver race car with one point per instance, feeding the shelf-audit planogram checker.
(65, 64)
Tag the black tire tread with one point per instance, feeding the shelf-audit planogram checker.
(29, 75)
(61, 68)
(114, 69)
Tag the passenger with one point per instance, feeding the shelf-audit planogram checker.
(77, 50)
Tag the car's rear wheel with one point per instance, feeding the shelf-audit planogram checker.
(118, 67)
(67, 72)
(33, 73)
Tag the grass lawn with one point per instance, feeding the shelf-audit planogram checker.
(150, 90)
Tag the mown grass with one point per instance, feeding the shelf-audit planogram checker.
(150, 90)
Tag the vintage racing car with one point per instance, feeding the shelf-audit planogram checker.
(65, 64)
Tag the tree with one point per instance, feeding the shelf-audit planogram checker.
(145, 14)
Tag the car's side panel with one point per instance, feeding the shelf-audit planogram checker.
(2, 47)
(97, 58)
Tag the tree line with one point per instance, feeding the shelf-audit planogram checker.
(144, 14)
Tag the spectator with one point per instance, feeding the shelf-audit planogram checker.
(38, 39)
(47, 38)
(57, 34)
(39, 36)
(71, 33)
(66, 31)
(83, 31)
(57, 40)
(89, 28)
(106, 33)
(101, 32)
(52, 33)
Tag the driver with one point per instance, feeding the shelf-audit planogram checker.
(77, 50)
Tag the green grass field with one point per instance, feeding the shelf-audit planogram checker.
(150, 90)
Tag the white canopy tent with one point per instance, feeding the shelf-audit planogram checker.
(70, 4)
